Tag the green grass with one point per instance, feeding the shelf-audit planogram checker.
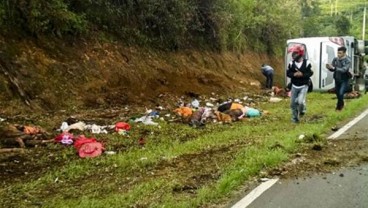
(179, 166)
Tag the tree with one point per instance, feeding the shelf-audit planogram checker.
(343, 25)
(310, 11)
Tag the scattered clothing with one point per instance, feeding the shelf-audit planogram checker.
(88, 147)
(195, 103)
(196, 119)
(32, 130)
(229, 106)
(223, 117)
(235, 114)
(147, 120)
(65, 138)
(252, 112)
(184, 112)
(92, 149)
(122, 126)
(79, 126)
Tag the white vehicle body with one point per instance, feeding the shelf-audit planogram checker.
(321, 50)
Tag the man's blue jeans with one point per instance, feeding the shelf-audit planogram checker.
(269, 79)
(298, 100)
(340, 88)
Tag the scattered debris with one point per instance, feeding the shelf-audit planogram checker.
(275, 99)
(110, 152)
(317, 147)
(10, 150)
(335, 128)
(23, 135)
(65, 138)
(141, 141)
(332, 162)
(263, 179)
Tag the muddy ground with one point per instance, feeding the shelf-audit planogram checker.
(45, 81)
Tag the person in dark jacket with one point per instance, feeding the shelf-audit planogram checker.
(268, 71)
(340, 67)
(299, 71)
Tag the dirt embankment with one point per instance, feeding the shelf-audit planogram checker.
(53, 74)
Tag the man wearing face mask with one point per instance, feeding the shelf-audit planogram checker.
(299, 71)
(340, 67)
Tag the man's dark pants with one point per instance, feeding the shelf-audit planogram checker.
(269, 79)
(340, 88)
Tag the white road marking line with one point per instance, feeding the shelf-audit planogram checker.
(244, 202)
(255, 193)
(348, 125)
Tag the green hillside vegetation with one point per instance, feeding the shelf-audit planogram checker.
(174, 24)
(168, 24)
(94, 42)
(351, 11)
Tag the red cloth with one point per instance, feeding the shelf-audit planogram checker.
(83, 140)
(88, 147)
(91, 149)
(122, 125)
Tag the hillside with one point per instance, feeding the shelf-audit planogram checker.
(105, 63)
(70, 55)
(51, 74)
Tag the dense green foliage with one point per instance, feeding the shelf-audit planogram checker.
(172, 24)
(260, 25)
(40, 17)
(344, 17)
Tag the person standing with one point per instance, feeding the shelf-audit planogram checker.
(268, 71)
(340, 67)
(299, 71)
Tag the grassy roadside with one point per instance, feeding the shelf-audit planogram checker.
(179, 166)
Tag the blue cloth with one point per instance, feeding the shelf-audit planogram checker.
(251, 112)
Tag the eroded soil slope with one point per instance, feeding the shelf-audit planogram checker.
(49, 75)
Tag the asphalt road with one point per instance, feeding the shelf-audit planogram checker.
(346, 188)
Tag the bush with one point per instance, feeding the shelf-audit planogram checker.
(53, 17)
(42, 17)
(256, 25)
(2, 15)
(167, 24)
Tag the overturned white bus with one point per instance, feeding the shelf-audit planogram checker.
(321, 50)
